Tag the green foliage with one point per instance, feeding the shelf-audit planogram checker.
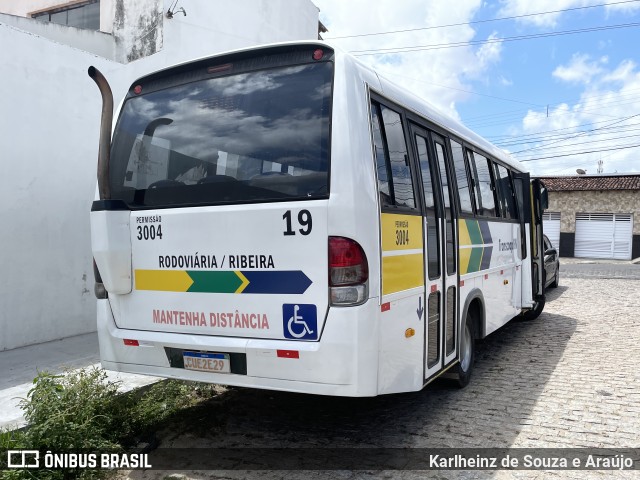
(83, 410)
(73, 411)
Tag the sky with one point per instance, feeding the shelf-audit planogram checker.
(554, 82)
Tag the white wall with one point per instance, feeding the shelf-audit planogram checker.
(23, 8)
(100, 43)
(49, 122)
(47, 119)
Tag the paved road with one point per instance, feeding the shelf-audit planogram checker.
(568, 379)
(600, 270)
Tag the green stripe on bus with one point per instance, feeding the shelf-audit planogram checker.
(216, 282)
(475, 259)
(474, 232)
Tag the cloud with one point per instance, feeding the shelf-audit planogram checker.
(581, 69)
(505, 82)
(427, 72)
(627, 7)
(489, 52)
(625, 73)
(424, 72)
(603, 124)
(527, 7)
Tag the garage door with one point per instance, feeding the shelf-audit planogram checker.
(603, 235)
(551, 227)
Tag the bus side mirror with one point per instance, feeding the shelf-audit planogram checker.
(544, 198)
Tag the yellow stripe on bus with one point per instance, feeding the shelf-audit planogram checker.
(401, 232)
(465, 256)
(163, 280)
(465, 240)
(402, 272)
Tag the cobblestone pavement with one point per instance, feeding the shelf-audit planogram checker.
(600, 270)
(567, 379)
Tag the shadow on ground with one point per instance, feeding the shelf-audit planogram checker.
(512, 367)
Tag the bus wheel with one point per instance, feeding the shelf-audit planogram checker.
(536, 310)
(467, 352)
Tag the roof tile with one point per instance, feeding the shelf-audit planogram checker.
(595, 182)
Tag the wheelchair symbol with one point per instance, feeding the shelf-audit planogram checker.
(300, 321)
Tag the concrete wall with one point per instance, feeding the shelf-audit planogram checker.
(49, 121)
(138, 29)
(608, 201)
(100, 43)
(24, 8)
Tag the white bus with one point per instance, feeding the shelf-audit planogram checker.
(282, 217)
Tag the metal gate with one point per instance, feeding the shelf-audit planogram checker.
(551, 228)
(603, 235)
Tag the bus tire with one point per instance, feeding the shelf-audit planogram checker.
(467, 352)
(536, 310)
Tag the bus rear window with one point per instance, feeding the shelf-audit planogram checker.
(250, 137)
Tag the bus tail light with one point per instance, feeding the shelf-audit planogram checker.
(348, 272)
(98, 288)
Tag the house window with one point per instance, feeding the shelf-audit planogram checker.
(80, 15)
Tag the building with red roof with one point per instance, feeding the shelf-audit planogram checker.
(594, 216)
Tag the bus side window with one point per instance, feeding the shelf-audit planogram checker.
(484, 185)
(433, 250)
(459, 164)
(392, 159)
(447, 191)
(506, 192)
(500, 205)
(398, 159)
(381, 162)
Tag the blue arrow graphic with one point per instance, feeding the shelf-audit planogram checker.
(420, 310)
(287, 281)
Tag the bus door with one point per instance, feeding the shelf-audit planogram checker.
(531, 198)
(539, 203)
(440, 261)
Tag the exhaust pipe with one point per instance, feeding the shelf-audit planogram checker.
(104, 151)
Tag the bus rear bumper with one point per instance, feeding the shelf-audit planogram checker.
(343, 363)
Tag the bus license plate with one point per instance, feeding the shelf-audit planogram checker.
(207, 362)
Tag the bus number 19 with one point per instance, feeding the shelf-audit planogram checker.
(304, 219)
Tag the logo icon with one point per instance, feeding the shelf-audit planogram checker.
(23, 459)
(300, 321)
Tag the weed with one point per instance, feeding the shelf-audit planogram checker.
(82, 410)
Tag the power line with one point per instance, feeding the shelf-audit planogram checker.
(596, 110)
(625, 129)
(576, 135)
(619, 97)
(480, 21)
(507, 137)
(601, 140)
(580, 153)
(547, 131)
(470, 120)
(438, 46)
